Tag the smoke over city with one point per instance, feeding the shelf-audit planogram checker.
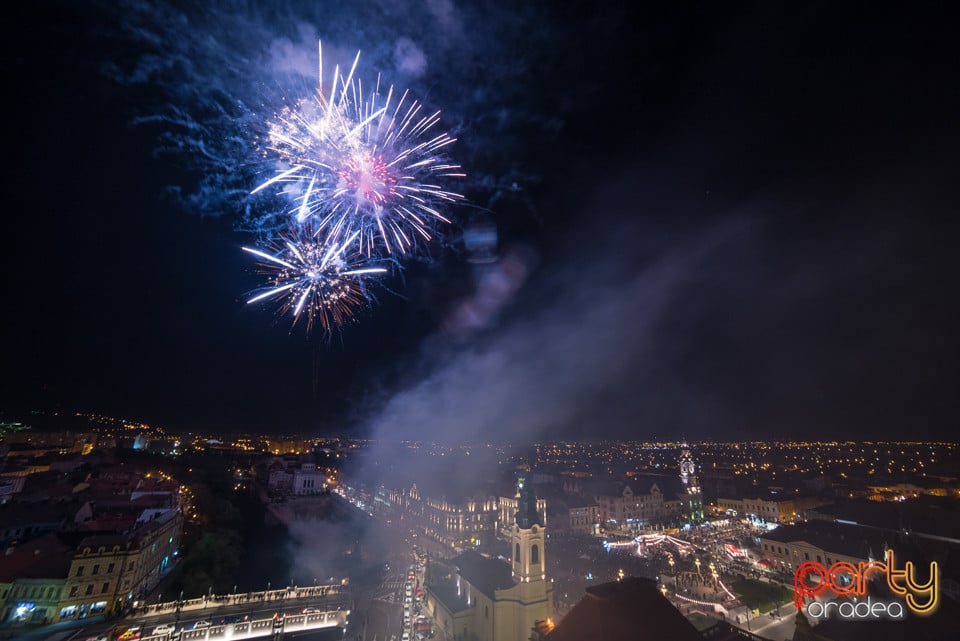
(251, 306)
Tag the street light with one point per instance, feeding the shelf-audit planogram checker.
(179, 608)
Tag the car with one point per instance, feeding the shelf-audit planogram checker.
(166, 628)
(200, 624)
(310, 611)
(405, 637)
(233, 618)
(129, 634)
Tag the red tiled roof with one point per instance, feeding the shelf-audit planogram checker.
(44, 558)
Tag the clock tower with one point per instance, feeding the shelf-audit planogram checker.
(688, 475)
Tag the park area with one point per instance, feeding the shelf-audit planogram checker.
(760, 595)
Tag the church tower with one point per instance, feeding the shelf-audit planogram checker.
(688, 476)
(688, 470)
(532, 592)
(528, 536)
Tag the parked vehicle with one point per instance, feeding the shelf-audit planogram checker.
(164, 629)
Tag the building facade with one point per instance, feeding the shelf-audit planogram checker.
(307, 480)
(463, 523)
(791, 545)
(771, 509)
(632, 508)
(486, 599)
(653, 500)
(32, 578)
(584, 519)
(110, 572)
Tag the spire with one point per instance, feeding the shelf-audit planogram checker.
(527, 515)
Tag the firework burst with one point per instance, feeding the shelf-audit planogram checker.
(313, 277)
(369, 167)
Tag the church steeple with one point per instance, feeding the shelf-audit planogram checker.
(527, 514)
(529, 535)
(688, 476)
(688, 469)
(531, 592)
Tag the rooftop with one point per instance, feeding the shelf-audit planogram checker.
(629, 610)
(46, 557)
(485, 574)
(925, 515)
(848, 540)
(446, 593)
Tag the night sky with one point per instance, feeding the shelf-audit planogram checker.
(724, 221)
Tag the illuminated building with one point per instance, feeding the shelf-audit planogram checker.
(647, 500)
(584, 519)
(490, 600)
(692, 503)
(109, 571)
(307, 479)
(32, 579)
(790, 545)
(461, 522)
(771, 509)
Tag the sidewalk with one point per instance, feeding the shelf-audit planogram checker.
(50, 630)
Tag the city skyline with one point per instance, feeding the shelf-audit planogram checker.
(725, 223)
(354, 538)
